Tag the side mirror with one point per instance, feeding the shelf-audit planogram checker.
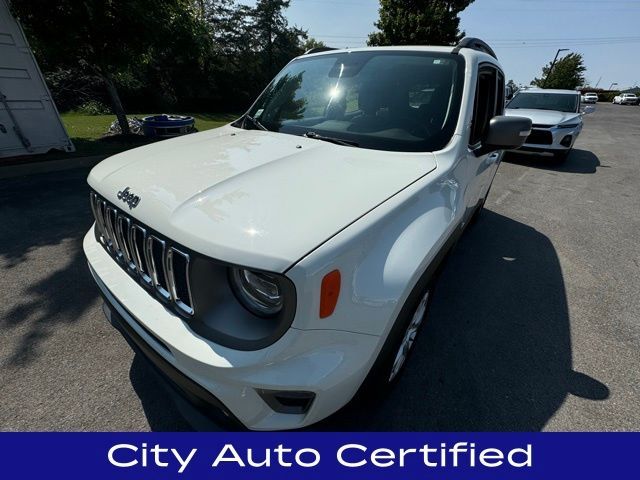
(588, 109)
(506, 133)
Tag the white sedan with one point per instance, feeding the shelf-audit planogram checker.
(556, 118)
(590, 98)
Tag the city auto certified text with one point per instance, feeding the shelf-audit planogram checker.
(353, 455)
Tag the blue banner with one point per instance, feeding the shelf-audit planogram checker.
(320, 455)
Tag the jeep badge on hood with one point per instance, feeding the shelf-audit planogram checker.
(129, 198)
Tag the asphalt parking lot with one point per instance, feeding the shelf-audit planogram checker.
(535, 323)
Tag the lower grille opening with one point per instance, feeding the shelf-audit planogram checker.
(290, 402)
(540, 137)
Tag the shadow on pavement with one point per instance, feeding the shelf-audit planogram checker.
(159, 408)
(496, 351)
(38, 212)
(578, 161)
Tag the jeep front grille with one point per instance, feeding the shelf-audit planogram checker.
(160, 267)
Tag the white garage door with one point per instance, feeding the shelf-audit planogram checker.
(29, 120)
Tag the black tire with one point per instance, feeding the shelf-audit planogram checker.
(379, 381)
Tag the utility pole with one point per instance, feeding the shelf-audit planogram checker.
(553, 64)
(599, 80)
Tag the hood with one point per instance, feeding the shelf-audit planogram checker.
(257, 199)
(543, 117)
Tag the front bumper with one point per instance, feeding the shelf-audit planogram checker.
(547, 141)
(332, 364)
(202, 409)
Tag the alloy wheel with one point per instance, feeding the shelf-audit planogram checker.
(409, 337)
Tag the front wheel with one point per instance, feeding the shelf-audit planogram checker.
(408, 339)
(399, 345)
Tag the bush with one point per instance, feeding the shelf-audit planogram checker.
(94, 107)
(70, 88)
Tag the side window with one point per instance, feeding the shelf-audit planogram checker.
(489, 102)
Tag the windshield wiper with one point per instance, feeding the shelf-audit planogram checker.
(254, 121)
(337, 141)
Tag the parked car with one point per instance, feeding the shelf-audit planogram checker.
(556, 117)
(590, 98)
(272, 268)
(626, 99)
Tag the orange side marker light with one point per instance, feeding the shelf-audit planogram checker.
(329, 293)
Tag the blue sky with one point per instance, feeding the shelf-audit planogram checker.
(524, 33)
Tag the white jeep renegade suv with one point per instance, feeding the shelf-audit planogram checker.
(272, 268)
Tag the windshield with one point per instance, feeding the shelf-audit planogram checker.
(395, 101)
(560, 102)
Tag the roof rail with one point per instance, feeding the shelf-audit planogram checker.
(319, 49)
(474, 44)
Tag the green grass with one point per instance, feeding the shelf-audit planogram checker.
(87, 133)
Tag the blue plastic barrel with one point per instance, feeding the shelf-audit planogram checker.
(167, 125)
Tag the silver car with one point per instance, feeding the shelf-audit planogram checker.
(556, 117)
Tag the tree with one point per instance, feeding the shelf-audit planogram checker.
(111, 40)
(275, 38)
(567, 73)
(229, 23)
(313, 43)
(512, 88)
(250, 44)
(419, 22)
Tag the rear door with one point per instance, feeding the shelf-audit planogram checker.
(29, 120)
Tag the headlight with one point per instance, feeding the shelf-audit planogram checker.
(571, 125)
(260, 293)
